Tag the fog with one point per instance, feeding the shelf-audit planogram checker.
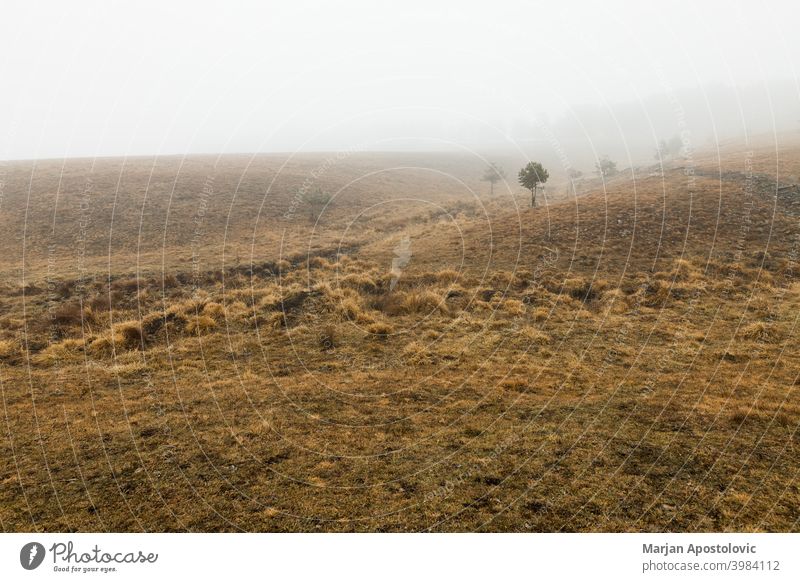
(108, 79)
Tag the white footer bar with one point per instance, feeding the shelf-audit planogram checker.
(404, 557)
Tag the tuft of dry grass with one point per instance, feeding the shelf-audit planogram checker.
(654, 293)
(104, 346)
(9, 349)
(350, 309)
(328, 338)
(615, 301)
(69, 314)
(540, 314)
(515, 384)
(200, 324)
(448, 276)
(416, 353)
(759, 331)
(130, 334)
(584, 289)
(535, 336)
(513, 307)
(214, 310)
(320, 263)
(380, 329)
(360, 281)
(684, 271)
(424, 301)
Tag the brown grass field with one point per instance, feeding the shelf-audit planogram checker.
(186, 345)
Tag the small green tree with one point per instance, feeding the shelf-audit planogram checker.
(317, 200)
(493, 174)
(605, 168)
(531, 176)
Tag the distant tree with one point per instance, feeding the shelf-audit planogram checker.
(317, 200)
(675, 145)
(605, 168)
(493, 174)
(574, 176)
(669, 149)
(662, 150)
(531, 176)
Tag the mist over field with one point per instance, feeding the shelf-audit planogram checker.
(102, 79)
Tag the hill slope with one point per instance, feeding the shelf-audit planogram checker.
(421, 359)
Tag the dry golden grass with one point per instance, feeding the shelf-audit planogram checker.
(380, 329)
(569, 378)
(9, 349)
(423, 302)
(200, 324)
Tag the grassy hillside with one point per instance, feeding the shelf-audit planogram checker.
(198, 353)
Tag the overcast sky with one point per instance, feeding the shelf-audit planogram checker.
(112, 78)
